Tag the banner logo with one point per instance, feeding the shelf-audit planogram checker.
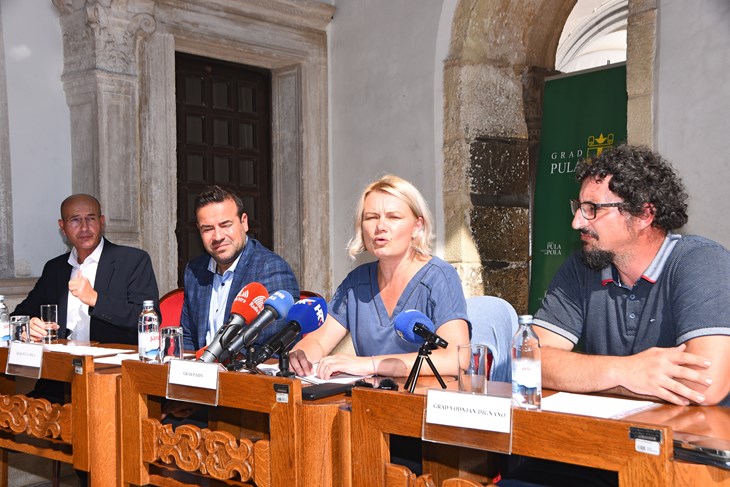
(552, 248)
(597, 144)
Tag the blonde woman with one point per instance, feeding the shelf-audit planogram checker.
(394, 224)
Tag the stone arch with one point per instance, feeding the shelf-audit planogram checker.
(500, 53)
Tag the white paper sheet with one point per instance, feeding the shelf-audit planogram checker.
(116, 359)
(84, 350)
(596, 406)
(272, 369)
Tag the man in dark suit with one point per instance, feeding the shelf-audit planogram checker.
(98, 286)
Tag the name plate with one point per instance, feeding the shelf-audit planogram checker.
(25, 359)
(466, 410)
(192, 381)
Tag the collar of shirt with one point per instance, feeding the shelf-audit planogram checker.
(220, 291)
(652, 273)
(78, 320)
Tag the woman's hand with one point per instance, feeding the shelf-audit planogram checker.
(299, 363)
(349, 364)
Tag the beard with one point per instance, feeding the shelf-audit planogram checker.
(597, 259)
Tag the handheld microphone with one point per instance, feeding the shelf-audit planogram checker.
(305, 316)
(415, 327)
(276, 307)
(246, 306)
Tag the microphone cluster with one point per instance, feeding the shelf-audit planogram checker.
(251, 312)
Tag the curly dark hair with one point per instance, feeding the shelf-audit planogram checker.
(216, 194)
(639, 176)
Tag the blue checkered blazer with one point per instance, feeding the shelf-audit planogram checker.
(257, 264)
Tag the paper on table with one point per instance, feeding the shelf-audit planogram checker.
(339, 378)
(84, 350)
(116, 359)
(596, 406)
(272, 369)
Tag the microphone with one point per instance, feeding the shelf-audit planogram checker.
(305, 316)
(276, 307)
(415, 327)
(246, 306)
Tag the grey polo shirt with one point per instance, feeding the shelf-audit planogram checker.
(683, 294)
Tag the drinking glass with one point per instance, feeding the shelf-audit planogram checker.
(19, 328)
(474, 363)
(171, 343)
(49, 317)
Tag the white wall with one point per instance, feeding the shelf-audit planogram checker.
(386, 103)
(40, 147)
(693, 107)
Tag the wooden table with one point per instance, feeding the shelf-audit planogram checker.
(252, 436)
(581, 440)
(82, 432)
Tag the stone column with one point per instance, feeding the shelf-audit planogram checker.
(100, 43)
(7, 264)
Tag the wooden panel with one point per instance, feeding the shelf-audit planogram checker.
(276, 461)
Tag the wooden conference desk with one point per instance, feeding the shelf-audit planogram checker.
(255, 434)
(82, 432)
(580, 440)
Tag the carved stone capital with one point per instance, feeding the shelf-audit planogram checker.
(103, 34)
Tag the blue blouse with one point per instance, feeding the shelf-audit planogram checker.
(435, 290)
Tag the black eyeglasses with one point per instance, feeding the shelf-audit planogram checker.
(588, 209)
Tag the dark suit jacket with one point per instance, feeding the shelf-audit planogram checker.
(124, 278)
(257, 264)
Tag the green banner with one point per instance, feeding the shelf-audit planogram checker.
(583, 113)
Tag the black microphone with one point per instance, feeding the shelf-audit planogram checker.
(276, 307)
(246, 306)
(305, 316)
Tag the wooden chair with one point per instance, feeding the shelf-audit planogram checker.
(67, 432)
(268, 454)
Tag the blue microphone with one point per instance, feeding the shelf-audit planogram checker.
(415, 327)
(305, 316)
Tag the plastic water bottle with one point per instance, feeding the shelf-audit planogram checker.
(526, 366)
(4, 322)
(149, 333)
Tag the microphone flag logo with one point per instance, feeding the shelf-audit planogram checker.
(258, 303)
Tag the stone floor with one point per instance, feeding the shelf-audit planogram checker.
(30, 471)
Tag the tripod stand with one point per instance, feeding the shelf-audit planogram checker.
(423, 354)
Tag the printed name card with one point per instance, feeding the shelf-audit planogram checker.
(465, 410)
(192, 381)
(25, 359)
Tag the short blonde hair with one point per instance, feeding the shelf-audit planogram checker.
(406, 192)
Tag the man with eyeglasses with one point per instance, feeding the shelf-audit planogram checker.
(98, 286)
(648, 305)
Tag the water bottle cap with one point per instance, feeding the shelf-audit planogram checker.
(524, 319)
(148, 303)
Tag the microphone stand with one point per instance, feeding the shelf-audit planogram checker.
(284, 362)
(423, 354)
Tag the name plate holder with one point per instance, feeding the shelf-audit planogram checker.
(192, 381)
(25, 360)
(479, 421)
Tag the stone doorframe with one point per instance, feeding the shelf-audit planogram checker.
(119, 78)
(500, 53)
